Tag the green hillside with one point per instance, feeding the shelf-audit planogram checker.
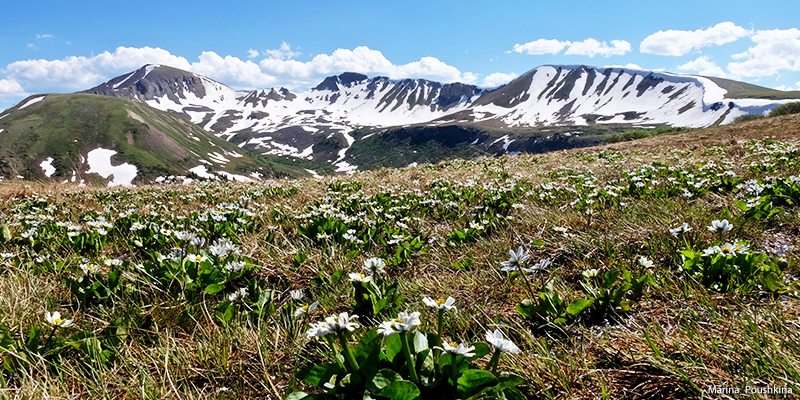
(67, 126)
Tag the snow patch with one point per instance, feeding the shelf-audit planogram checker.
(314, 173)
(99, 161)
(234, 177)
(31, 102)
(47, 166)
(344, 166)
(218, 158)
(1, 117)
(202, 172)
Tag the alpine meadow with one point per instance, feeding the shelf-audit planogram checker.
(318, 222)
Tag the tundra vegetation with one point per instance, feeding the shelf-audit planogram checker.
(654, 268)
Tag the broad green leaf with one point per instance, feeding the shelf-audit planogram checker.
(214, 288)
(577, 306)
(393, 347)
(382, 378)
(420, 342)
(320, 374)
(474, 380)
(296, 396)
(403, 390)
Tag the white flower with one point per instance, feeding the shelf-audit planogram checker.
(113, 262)
(234, 266)
(306, 309)
(375, 266)
(720, 226)
(440, 304)
(403, 323)
(457, 349)
(55, 319)
(541, 265)
(318, 329)
(354, 277)
(515, 260)
(498, 342)
(89, 268)
(341, 322)
(137, 226)
(591, 273)
(196, 257)
(296, 294)
(222, 247)
(681, 229)
(238, 295)
(645, 262)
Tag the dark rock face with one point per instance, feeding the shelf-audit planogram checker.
(161, 81)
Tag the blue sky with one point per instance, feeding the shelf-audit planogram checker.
(49, 46)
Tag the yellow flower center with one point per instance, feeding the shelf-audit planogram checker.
(726, 249)
(453, 344)
(57, 321)
(440, 302)
(305, 308)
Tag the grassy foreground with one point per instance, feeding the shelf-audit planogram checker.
(200, 292)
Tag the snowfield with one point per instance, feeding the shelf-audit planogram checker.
(99, 161)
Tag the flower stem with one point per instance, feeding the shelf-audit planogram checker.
(352, 365)
(412, 370)
(527, 283)
(454, 361)
(333, 347)
(494, 361)
(439, 323)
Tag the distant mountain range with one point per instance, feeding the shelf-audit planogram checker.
(352, 120)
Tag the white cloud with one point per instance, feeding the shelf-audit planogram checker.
(497, 79)
(626, 66)
(33, 46)
(541, 46)
(591, 47)
(10, 88)
(79, 73)
(703, 66)
(678, 43)
(44, 36)
(283, 53)
(775, 50)
(362, 60)
(252, 53)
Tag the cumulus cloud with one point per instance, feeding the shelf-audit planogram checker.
(252, 53)
(541, 46)
(626, 66)
(10, 88)
(703, 66)
(589, 47)
(363, 60)
(774, 51)
(497, 79)
(79, 73)
(678, 43)
(282, 53)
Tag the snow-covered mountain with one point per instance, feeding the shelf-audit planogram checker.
(305, 124)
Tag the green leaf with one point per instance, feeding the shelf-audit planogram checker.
(577, 306)
(296, 396)
(382, 379)
(5, 233)
(420, 342)
(393, 347)
(474, 380)
(214, 288)
(510, 393)
(403, 390)
(509, 380)
(481, 349)
(318, 375)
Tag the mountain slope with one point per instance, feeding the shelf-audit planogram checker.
(70, 137)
